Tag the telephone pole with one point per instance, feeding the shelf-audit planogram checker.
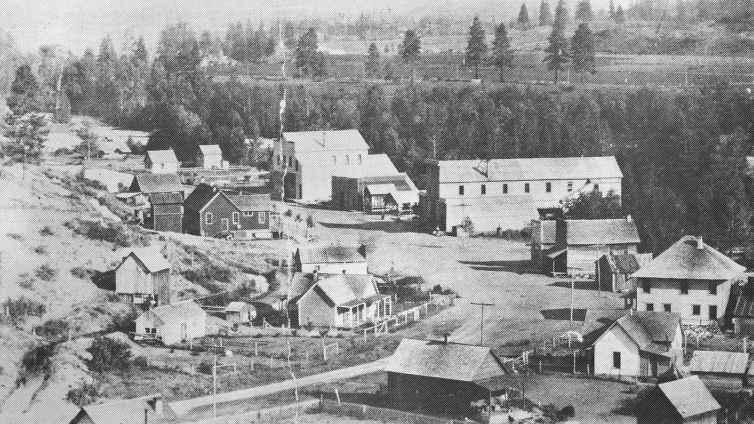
(481, 321)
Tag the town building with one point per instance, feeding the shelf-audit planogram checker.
(455, 187)
(679, 401)
(639, 344)
(173, 323)
(720, 369)
(309, 160)
(691, 279)
(209, 156)
(159, 201)
(568, 246)
(167, 211)
(240, 312)
(143, 276)
(444, 376)
(146, 409)
(332, 259)
(340, 300)
(381, 194)
(209, 211)
(161, 161)
(613, 270)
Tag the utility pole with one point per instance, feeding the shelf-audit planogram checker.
(481, 321)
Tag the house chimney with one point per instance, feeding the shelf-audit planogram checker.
(700, 243)
(445, 338)
(315, 275)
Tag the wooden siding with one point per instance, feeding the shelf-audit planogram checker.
(437, 394)
(666, 291)
(314, 310)
(616, 340)
(174, 331)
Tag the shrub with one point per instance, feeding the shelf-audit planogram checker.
(205, 367)
(124, 322)
(83, 395)
(116, 233)
(40, 250)
(82, 273)
(27, 281)
(53, 328)
(19, 309)
(15, 236)
(46, 231)
(140, 362)
(45, 272)
(36, 361)
(108, 354)
(567, 412)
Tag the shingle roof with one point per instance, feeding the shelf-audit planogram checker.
(157, 183)
(210, 150)
(178, 311)
(452, 361)
(161, 198)
(251, 202)
(150, 257)
(601, 231)
(683, 260)
(689, 396)
(529, 169)
(330, 254)
(652, 331)
(721, 362)
(198, 198)
(315, 141)
(345, 288)
(299, 284)
(158, 156)
(127, 411)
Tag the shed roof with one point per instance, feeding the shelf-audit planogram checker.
(210, 150)
(158, 156)
(705, 361)
(251, 202)
(451, 361)
(401, 180)
(179, 311)
(157, 183)
(529, 169)
(378, 189)
(322, 141)
(150, 257)
(127, 411)
(686, 260)
(330, 254)
(689, 396)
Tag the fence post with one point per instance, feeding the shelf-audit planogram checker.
(256, 348)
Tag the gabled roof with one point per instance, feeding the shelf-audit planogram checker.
(451, 361)
(157, 183)
(601, 231)
(345, 289)
(128, 411)
(150, 257)
(165, 198)
(159, 156)
(686, 260)
(236, 306)
(330, 254)
(179, 311)
(210, 150)
(323, 141)
(689, 396)
(651, 331)
(627, 263)
(202, 194)
(529, 169)
(705, 361)
(251, 202)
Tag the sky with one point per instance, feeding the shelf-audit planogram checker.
(77, 24)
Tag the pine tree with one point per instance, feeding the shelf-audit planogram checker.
(410, 50)
(545, 14)
(502, 55)
(476, 49)
(611, 11)
(584, 11)
(24, 92)
(373, 67)
(523, 16)
(620, 17)
(582, 50)
(306, 53)
(289, 35)
(557, 48)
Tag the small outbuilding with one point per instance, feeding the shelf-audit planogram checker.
(146, 409)
(173, 323)
(143, 275)
(335, 259)
(680, 401)
(613, 270)
(161, 161)
(240, 312)
(209, 156)
(720, 369)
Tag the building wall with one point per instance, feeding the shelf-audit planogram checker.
(174, 331)
(132, 278)
(616, 340)
(666, 291)
(221, 208)
(436, 394)
(161, 281)
(162, 167)
(345, 192)
(167, 221)
(358, 268)
(583, 257)
(209, 161)
(743, 326)
(312, 309)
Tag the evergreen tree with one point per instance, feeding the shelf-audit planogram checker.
(502, 55)
(680, 11)
(410, 50)
(523, 16)
(27, 134)
(476, 49)
(24, 92)
(289, 35)
(373, 67)
(545, 14)
(306, 53)
(557, 48)
(611, 11)
(584, 11)
(620, 17)
(582, 50)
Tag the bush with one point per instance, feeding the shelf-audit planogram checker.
(40, 250)
(140, 362)
(45, 272)
(82, 273)
(36, 361)
(116, 233)
(205, 367)
(27, 281)
(207, 275)
(46, 231)
(567, 412)
(53, 328)
(19, 309)
(108, 354)
(82, 396)
(15, 236)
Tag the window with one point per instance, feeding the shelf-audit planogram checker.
(359, 158)
(334, 160)
(295, 164)
(260, 217)
(570, 186)
(526, 187)
(548, 187)
(650, 307)
(236, 217)
(208, 218)
(696, 310)
(646, 287)
(684, 287)
(712, 312)
(616, 360)
(460, 190)
(348, 160)
(290, 161)
(712, 287)
(248, 213)
(667, 307)
(505, 188)
(285, 160)
(484, 189)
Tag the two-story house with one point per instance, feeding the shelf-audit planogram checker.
(209, 211)
(514, 189)
(690, 278)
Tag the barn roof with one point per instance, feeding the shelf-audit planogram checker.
(348, 289)
(330, 254)
(150, 257)
(251, 202)
(157, 183)
(690, 258)
(451, 361)
(157, 156)
(127, 411)
(178, 311)
(529, 169)
(689, 396)
(323, 141)
(720, 362)
(210, 150)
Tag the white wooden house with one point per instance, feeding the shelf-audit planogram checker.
(173, 323)
(240, 312)
(143, 275)
(161, 161)
(209, 156)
